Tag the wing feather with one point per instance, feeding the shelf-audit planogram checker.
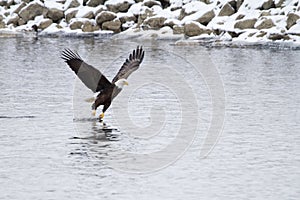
(131, 64)
(89, 75)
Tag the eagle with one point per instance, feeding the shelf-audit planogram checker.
(97, 82)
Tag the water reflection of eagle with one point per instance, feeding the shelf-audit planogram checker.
(97, 82)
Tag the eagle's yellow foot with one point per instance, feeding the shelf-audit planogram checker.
(101, 116)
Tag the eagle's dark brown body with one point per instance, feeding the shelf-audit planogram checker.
(97, 82)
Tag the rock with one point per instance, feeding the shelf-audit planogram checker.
(89, 15)
(155, 22)
(206, 18)
(21, 22)
(127, 18)
(151, 3)
(233, 4)
(245, 24)
(95, 3)
(142, 17)
(55, 14)
(261, 34)
(178, 29)
(87, 27)
(193, 29)
(279, 4)
(84, 2)
(99, 10)
(226, 10)
(2, 23)
(73, 4)
(277, 36)
(265, 13)
(45, 23)
(71, 15)
(114, 26)
(19, 7)
(96, 28)
(31, 11)
(13, 20)
(76, 25)
(265, 24)
(291, 20)
(105, 16)
(171, 22)
(268, 4)
(118, 7)
(165, 3)
(3, 3)
(238, 4)
(240, 16)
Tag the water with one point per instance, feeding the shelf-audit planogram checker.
(52, 149)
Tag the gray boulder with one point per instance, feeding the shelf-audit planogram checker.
(71, 15)
(265, 24)
(178, 29)
(95, 3)
(105, 16)
(119, 7)
(268, 4)
(99, 10)
(87, 27)
(238, 4)
(245, 24)
(89, 15)
(206, 17)
(31, 11)
(151, 3)
(291, 20)
(226, 10)
(21, 22)
(2, 23)
(19, 7)
(278, 36)
(76, 25)
(114, 26)
(279, 3)
(195, 29)
(155, 22)
(127, 18)
(73, 4)
(45, 24)
(55, 14)
(13, 20)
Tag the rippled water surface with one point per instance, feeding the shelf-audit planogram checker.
(155, 133)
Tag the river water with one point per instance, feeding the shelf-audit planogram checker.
(195, 122)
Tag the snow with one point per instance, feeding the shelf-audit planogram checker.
(53, 4)
(198, 14)
(83, 10)
(194, 6)
(295, 29)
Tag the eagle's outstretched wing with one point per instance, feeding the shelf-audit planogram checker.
(89, 75)
(131, 64)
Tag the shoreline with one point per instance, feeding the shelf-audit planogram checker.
(186, 21)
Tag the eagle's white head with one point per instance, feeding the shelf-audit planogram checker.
(121, 82)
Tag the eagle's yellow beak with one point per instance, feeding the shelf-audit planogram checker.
(126, 83)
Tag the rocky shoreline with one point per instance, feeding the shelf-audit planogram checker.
(224, 20)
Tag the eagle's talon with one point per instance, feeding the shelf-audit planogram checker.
(101, 116)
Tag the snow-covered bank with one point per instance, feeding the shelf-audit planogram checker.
(220, 20)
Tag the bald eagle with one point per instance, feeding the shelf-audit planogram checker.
(97, 82)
